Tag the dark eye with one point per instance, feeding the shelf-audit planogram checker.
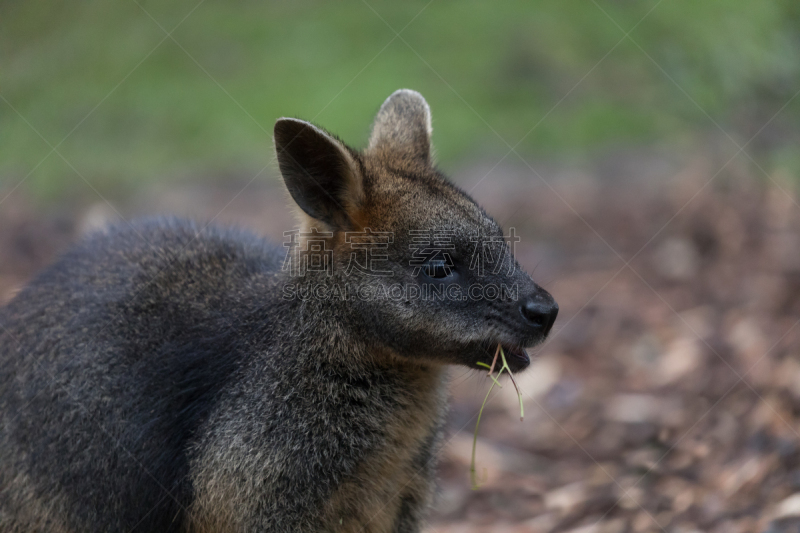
(437, 269)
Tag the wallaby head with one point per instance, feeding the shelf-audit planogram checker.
(425, 271)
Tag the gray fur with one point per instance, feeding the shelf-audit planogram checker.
(158, 378)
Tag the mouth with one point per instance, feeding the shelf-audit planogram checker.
(516, 354)
(516, 357)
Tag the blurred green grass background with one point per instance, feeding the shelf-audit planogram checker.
(138, 106)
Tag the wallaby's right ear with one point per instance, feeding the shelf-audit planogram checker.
(319, 171)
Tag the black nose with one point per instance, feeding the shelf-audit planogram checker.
(539, 312)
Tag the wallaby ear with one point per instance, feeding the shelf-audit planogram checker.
(403, 127)
(319, 171)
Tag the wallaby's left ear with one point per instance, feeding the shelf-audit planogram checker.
(319, 171)
(403, 127)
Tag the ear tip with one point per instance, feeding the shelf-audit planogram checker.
(408, 100)
(409, 95)
(409, 92)
(290, 128)
(286, 123)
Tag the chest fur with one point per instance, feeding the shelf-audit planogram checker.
(397, 476)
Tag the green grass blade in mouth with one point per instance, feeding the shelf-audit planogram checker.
(472, 475)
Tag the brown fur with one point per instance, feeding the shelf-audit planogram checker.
(370, 503)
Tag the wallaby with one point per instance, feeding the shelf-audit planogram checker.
(163, 377)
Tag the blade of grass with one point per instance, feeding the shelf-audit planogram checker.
(491, 376)
(514, 381)
(472, 475)
(494, 361)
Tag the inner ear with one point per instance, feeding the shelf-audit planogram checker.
(402, 127)
(320, 172)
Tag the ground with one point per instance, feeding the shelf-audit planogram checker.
(668, 395)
